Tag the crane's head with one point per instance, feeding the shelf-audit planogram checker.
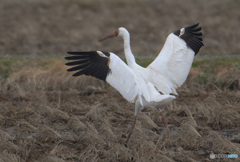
(119, 32)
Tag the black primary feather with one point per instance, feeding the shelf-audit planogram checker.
(192, 36)
(93, 63)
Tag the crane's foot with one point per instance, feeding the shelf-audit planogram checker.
(132, 127)
(165, 121)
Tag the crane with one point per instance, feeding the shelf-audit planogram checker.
(153, 86)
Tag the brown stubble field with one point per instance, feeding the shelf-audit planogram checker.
(47, 115)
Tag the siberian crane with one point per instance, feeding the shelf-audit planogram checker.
(153, 86)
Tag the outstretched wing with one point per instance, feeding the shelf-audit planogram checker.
(107, 67)
(171, 67)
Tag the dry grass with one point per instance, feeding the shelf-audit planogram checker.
(47, 115)
(56, 26)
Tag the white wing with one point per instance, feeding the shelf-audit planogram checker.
(171, 67)
(122, 78)
(108, 67)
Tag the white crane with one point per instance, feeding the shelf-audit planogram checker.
(153, 86)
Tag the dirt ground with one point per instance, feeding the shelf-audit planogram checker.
(46, 115)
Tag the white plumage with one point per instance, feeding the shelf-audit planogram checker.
(122, 78)
(152, 86)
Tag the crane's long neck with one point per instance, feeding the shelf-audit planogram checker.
(127, 49)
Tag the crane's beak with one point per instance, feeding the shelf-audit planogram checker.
(109, 36)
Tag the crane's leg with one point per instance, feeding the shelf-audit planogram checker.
(132, 127)
(165, 120)
(138, 107)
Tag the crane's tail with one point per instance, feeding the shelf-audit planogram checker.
(158, 100)
(161, 100)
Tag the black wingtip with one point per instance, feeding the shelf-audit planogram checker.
(66, 58)
(192, 35)
(93, 63)
(68, 64)
(73, 53)
(194, 26)
(75, 75)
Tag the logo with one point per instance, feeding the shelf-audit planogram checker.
(212, 156)
(223, 156)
